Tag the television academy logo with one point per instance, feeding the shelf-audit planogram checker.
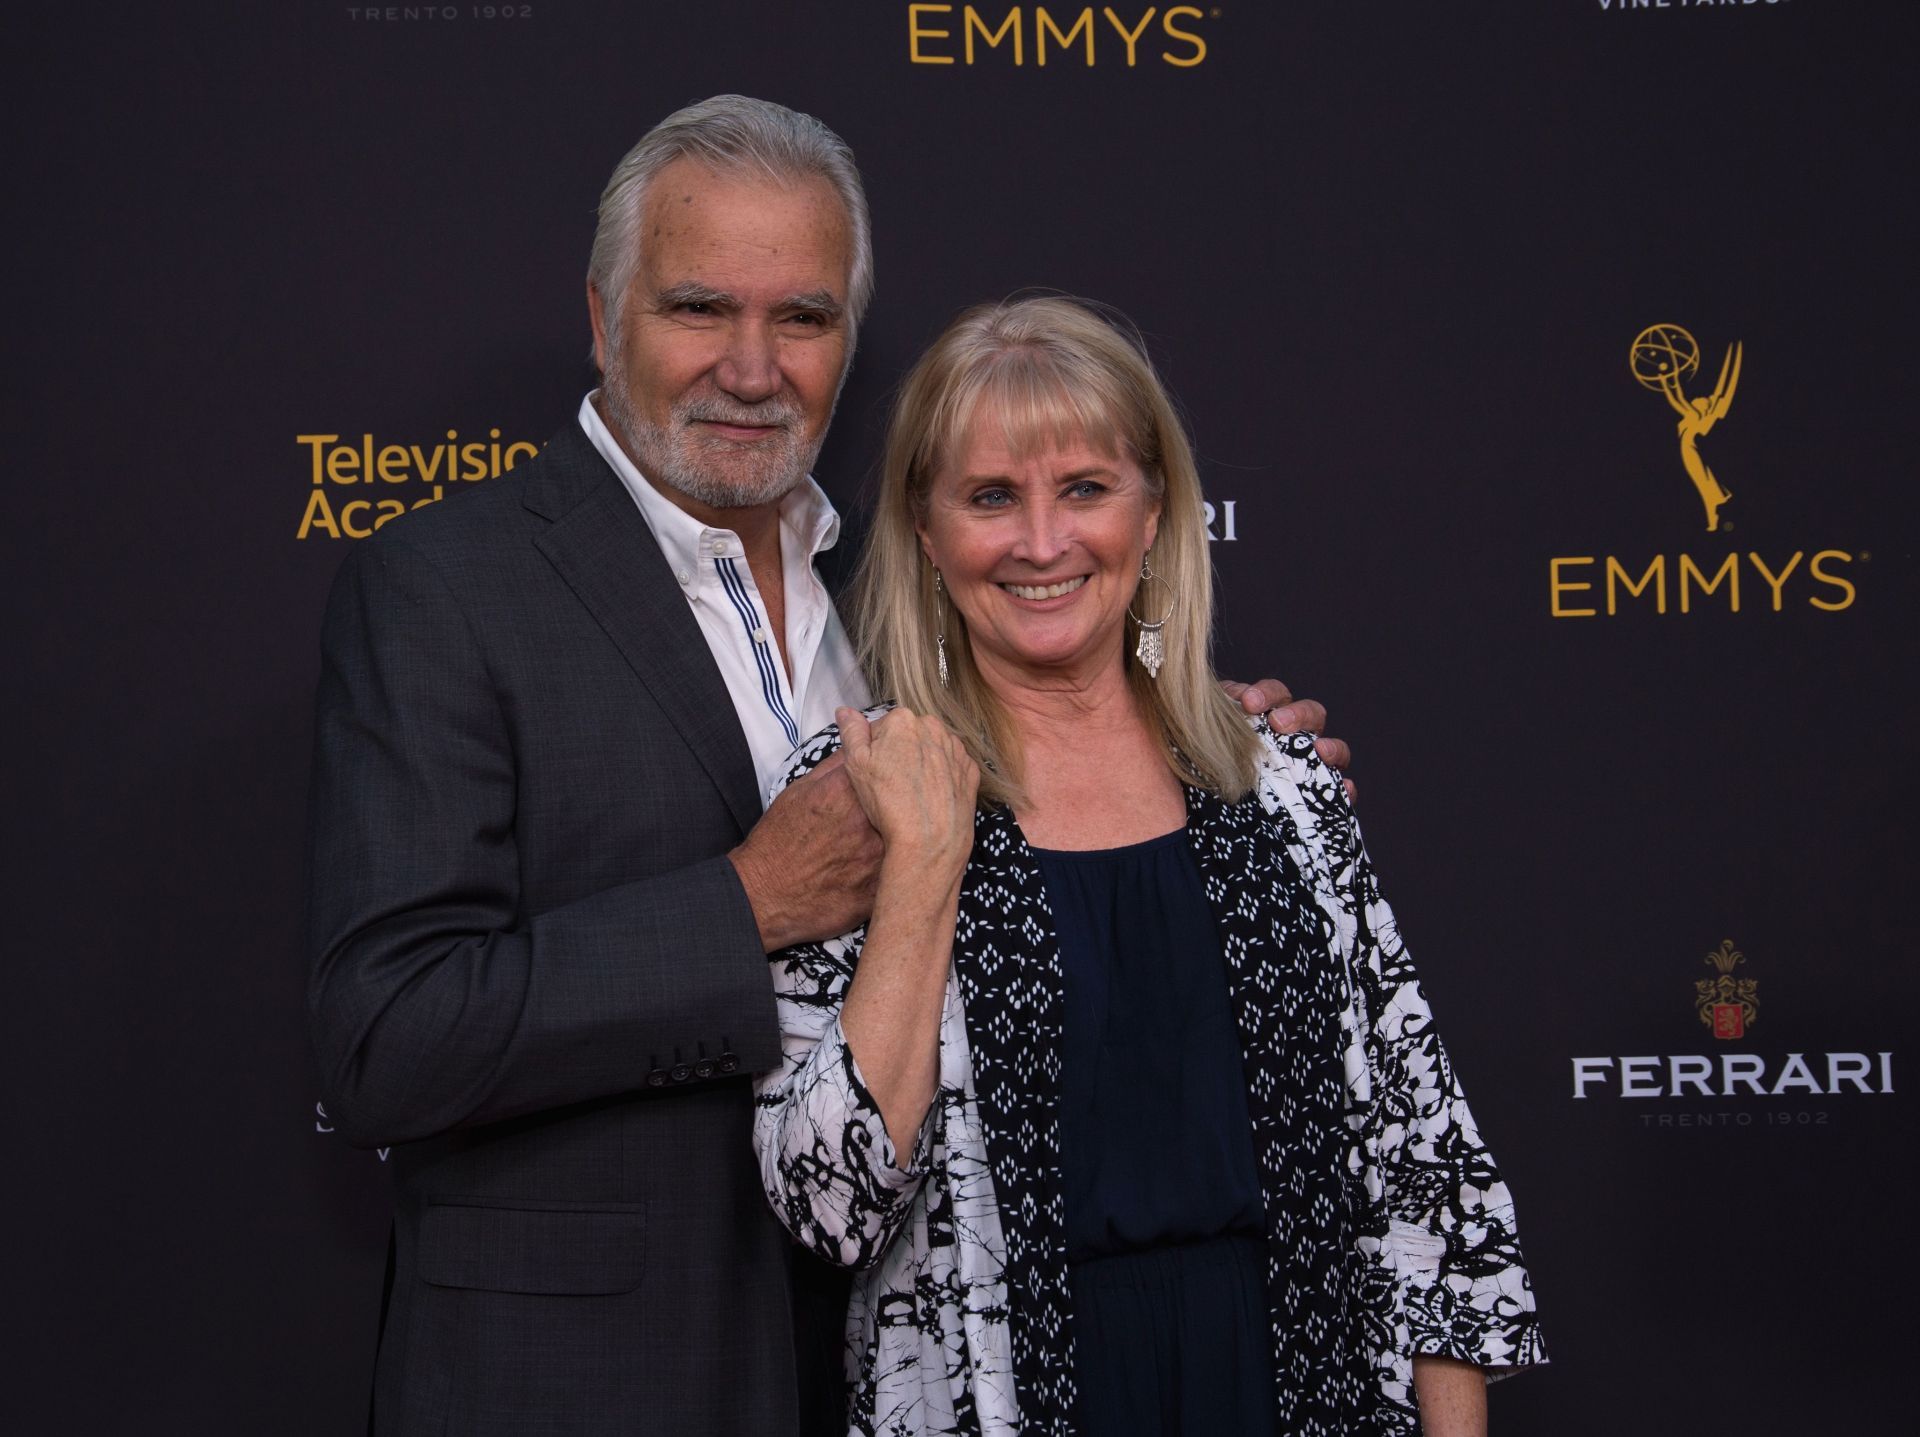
(1666, 358)
(356, 484)
(1728, 1006)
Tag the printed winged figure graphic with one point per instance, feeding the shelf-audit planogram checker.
(1697, 416)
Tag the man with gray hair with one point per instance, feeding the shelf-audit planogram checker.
(543, 889)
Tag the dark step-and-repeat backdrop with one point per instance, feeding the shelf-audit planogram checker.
(1478, 308)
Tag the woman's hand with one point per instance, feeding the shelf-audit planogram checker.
(917, 784)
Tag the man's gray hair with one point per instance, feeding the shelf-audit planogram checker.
(732, 134)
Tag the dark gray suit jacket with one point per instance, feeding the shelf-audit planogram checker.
(536, 975)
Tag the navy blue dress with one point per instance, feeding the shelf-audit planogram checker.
(1165, 1237)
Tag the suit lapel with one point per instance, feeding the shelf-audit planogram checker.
(607, 555)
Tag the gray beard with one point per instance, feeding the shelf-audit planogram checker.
(711, 471)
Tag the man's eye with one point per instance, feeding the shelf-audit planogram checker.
(808, 318)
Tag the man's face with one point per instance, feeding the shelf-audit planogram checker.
(732, 338)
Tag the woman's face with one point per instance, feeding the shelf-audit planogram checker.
(1041, 555)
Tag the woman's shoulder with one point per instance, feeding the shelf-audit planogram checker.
(818, 748)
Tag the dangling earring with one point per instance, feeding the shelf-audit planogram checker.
(1151, 650)
(940, 624)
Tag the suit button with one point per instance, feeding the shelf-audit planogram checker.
(657, 1078)
(704, 1068)
(681, 1072)
(729, 1063)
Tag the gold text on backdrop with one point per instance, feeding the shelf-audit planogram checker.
(365, 463)
(1572, 578)
(965, 35)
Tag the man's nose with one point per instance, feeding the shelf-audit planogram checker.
(749, 369)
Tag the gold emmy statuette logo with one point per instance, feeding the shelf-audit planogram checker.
(1727, 1005)
(1663, 357)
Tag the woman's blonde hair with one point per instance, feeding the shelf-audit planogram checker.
(1056, 372)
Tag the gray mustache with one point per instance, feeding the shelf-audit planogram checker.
(709, 412)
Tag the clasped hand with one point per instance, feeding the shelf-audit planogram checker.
(916, 783)
(811, 866)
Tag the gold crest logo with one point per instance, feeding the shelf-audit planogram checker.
(1727, 1005)
(1664, 357)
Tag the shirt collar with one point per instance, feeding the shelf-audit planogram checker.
(807, 516)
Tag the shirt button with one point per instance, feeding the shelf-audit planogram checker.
(719, 546)
(760, 636)
(685, 577)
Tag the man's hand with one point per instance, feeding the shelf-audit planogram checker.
(1290, 715)
(810, 864)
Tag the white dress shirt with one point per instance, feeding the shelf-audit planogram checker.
(777, 709)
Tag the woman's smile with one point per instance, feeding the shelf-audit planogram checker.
(1045, 591)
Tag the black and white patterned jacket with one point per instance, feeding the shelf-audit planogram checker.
(1390, 1232)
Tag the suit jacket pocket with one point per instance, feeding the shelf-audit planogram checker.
(533, 1247)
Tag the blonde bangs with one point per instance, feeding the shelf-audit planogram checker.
(1050, 373)
(1040, 399)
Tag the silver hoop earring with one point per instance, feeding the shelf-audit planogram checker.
(940, 624)
(1151, 649)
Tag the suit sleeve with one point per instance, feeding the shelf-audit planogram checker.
(435, 1000)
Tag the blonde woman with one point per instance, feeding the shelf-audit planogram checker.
(1125, 1104)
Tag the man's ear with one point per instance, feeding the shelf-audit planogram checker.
(596, 314)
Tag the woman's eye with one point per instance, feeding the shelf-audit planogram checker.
(1086, 489)
(993, 498)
